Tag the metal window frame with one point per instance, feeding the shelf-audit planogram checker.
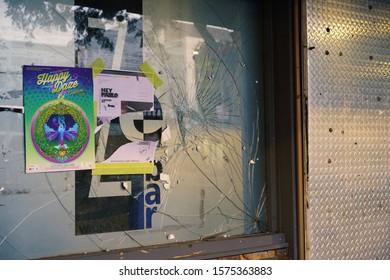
(199, 250)
(284, 123)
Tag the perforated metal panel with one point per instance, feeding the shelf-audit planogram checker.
(348, 188)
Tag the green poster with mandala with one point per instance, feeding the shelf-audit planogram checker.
(59, 118)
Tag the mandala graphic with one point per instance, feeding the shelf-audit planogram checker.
(60, 131)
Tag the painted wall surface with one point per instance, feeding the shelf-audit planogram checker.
(208, 179)
(348, 188)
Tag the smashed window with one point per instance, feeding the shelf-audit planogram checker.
(208, 176)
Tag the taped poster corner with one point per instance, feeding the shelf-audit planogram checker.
(97, 67)
(151, 75)
(123, 168)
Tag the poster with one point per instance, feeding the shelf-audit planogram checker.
(120, 194)
(59, 118)
(120, 92)
(122, 98)
(124, 201)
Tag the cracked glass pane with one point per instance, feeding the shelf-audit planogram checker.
(209, 167)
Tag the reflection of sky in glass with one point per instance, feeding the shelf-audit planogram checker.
(212, 157)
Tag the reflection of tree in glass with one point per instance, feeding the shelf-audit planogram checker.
(84, 35)
(53, 15)
(30, 15)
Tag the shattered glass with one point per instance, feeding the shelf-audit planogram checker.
(209, 175)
